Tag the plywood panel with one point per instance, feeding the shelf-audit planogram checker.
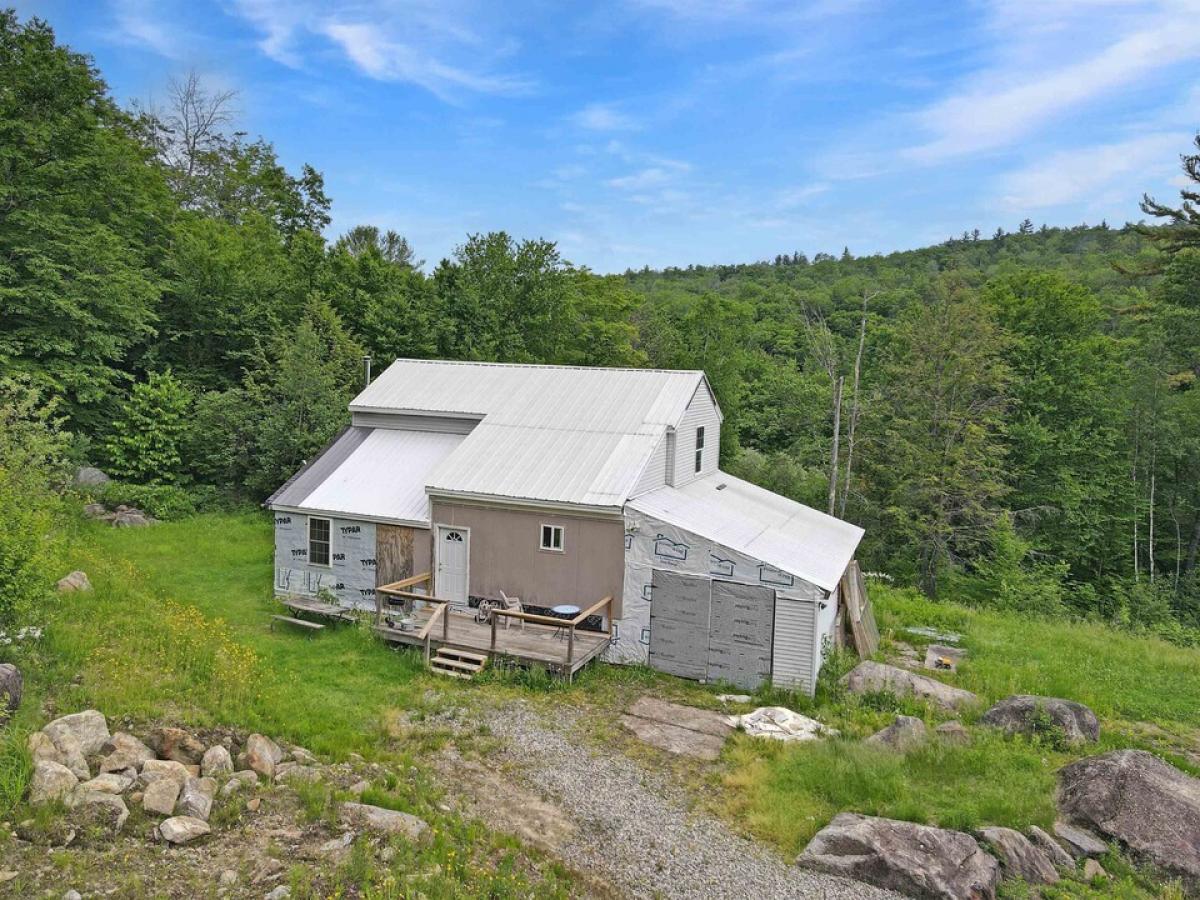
(394, 553)
(679, 614)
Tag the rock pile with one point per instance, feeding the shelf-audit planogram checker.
(121, 517)
(98, 776)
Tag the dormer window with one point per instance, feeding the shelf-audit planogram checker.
(699, 448)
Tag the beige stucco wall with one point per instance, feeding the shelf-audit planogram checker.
(505, 554)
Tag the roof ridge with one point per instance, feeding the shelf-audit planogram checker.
(515, 365)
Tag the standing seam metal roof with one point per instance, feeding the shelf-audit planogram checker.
(551, 433)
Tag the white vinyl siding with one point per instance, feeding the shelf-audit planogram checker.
(701, 413)
(655, 474)
(794, 664)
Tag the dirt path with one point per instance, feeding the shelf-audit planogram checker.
(628, 828)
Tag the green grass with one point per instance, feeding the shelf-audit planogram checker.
(1145, 691)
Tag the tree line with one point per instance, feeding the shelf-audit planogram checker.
(1013, 419)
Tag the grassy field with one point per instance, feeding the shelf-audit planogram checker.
(177, 629)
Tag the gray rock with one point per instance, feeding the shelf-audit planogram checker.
(228, 878)
(1029, 714)
(916, 860)
(903, 734)
(1133, 797)
(1019, 857)
(298, 774)
(94, 510)
(41, 747)
(1093, 870)
(176, 744)
(869, 677)
(131, 518)
(69, 752)
(280, 893)
(76, 581)
(72, 895)
(1059, 858)
(262, 755)
(246, 778)
(90, 476)
(359, 788)
(124, 751)
(216, 761)
(953, 733)
(50, 781)
(12, 686)
(302, 756)
(108, 783)
(1080, 842)
(160, 796)
(88, 727)
(337, 848)
(182, 829)
(157, 769)
(196, 798)
(96, 812)
(383, 821)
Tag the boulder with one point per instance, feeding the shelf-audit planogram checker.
(916, 860)
(90, 476)
(87, 727)
(302, 756)
(123, 751)
(176, 744)
(261, 755)
(1133, 797)
(160, 796)
(50, 781)
(196, 798)
(869, 677)
(294, 774)
(69, 752)
(1029, 714)
(154, 769)
(108, 783)
(1019, 857)
(1059, 858)
(41, 747)
(246, 778)
(382, 821)
(216, 761)
(76, 581)
(182, 829)
(94, 812)
(94, 510)
(953, 733)
(1080, 842)
(903, 734)
(12, 685)
(131, 518)
(1093, 870)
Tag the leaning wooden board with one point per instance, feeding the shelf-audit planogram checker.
(858, 609)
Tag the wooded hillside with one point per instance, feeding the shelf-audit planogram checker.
(1014, 419)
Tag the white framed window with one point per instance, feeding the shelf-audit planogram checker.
(552, 538)
(699, 448)
(319, 532)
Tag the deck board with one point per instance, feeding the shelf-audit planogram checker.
(534, 643)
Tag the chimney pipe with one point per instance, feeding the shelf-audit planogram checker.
(367, 366)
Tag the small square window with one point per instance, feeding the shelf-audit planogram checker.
(318, 541)
(699, 448)
(552, 537)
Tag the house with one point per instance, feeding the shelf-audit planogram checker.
(566, 485)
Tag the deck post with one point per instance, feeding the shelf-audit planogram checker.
(570, 647)
(446, 625)
(494, 618)
(426, 649)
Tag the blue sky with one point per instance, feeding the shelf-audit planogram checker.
(668, 132)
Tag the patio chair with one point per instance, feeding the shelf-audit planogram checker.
(513, 604)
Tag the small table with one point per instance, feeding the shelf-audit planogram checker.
(564, 611)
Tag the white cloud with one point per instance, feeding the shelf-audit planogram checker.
(1021, 93)
(603, 117)
(654, 176)
(422, 42)
(137, 24)
(1090, 173)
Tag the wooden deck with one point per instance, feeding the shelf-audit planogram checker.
(535, 644)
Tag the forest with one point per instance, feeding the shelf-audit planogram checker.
(1013, 418)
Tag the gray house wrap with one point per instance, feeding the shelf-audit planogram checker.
(350, 575)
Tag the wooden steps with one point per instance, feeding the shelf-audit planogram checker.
(457, 663)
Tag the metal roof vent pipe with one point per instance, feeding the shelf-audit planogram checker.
(367, 366)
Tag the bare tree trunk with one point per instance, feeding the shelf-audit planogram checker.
(1193, 547)
(862, 341)
(833, 453)
(1150, 534)
(1136, 572)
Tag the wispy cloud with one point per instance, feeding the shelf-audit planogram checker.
(797, 196)
(1019, 94)
(138, 24)
(422, 43)
(1089, 173)
(604, 117)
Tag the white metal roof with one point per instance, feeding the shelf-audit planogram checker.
(737, 514)
(562, 434)
(383, 477)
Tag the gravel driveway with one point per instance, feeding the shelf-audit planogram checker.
(636, 829)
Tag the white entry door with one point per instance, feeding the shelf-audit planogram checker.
(453, 558)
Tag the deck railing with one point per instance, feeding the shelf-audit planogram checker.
(569, 624)
(401, 590)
